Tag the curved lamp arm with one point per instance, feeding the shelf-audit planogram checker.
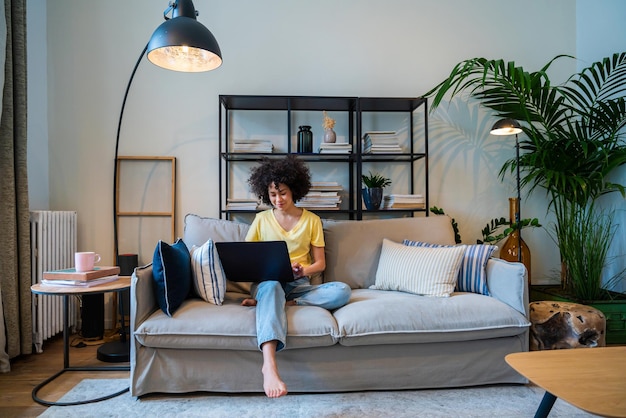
(115, 170)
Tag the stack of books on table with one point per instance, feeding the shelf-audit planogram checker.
(260, 146)
(241, 204)
(381, 142)
(320, 200)
(404, 201)
(71, 277)
(335, 148)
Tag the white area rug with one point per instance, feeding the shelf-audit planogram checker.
(492, 401)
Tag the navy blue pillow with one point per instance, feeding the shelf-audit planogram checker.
(171, 271)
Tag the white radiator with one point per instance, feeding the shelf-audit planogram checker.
(53, 237)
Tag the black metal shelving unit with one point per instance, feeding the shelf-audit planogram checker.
(354, 109)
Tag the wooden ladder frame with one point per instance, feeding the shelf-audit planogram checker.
(171, 214)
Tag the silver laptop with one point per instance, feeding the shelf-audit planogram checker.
(255, 261)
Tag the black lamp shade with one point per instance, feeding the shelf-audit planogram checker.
(184, 44)
(506, 127)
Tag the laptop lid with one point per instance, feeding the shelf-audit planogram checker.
(255, 261)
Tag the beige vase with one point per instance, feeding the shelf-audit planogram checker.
(330, 136)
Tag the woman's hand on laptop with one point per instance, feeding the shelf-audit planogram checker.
(298, 269)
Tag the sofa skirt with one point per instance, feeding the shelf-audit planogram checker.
(335, 368)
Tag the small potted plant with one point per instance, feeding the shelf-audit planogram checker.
(373, 190)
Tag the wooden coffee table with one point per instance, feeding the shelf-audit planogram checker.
(592, 379)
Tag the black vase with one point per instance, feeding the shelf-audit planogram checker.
(305, 140)
(373, 197)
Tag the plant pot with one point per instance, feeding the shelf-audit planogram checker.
(373, 197)
(614, 310)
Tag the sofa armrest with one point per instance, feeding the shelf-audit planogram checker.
(507, 283)
(142, 300)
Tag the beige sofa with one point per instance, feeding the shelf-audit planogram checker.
(380, 340)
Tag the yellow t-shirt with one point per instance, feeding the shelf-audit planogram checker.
(308, 231)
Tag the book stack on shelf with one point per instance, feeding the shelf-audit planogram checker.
(320, 200)
(322, 195)
(241, 204)
(325, 186)
(257, 146)
(335, 148)
(404, 201)
(71, 277)
(381, 142)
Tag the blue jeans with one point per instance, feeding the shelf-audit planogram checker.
(271, 320)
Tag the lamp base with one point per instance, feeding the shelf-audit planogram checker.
(114, 352)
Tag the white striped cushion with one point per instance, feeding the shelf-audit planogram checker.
(472, 274)
(209, 280)
(420, 270)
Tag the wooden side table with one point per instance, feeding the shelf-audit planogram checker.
(119, 285)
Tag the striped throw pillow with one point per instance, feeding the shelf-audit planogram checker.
(420, 270)
(209, 280)
(472, 274)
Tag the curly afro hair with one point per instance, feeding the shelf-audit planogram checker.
(290, 171)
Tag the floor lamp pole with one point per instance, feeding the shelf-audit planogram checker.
(116, 250)
(119, 351)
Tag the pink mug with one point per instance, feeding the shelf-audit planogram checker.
(85, 261)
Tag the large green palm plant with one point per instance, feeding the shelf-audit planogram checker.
(573, 137)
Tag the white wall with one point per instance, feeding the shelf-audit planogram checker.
(601, 33)
(37, 101)
(273, 47)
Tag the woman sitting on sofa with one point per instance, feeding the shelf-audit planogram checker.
(281, 183)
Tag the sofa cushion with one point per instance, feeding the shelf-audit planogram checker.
(209, 280)
(420, 270)
(171, 273)
(353, 247)
(198, 230)
(200, 325)
(388, 317)
(472, 275)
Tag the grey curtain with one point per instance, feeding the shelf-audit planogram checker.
(14, 211)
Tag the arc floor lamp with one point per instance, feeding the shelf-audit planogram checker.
(512, 127)
(181, 43)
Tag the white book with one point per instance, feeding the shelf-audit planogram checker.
(335, 144)
(321, 194)
(80, 283)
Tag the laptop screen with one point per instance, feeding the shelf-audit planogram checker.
(255, 261)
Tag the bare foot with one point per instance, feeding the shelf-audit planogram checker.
(272, 383)
(248, 302)
(290, 303)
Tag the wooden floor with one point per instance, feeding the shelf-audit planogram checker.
(28, 371)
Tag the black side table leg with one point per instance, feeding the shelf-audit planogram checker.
(545, 406)
(68, 368)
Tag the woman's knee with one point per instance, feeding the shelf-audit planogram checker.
(344, 292)
(341, 294)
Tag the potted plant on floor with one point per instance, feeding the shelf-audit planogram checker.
(373, 191)
(573, 139)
